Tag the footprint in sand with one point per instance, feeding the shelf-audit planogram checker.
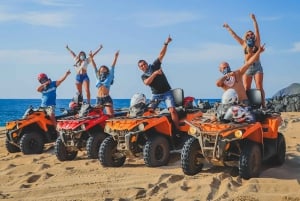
(44, 166)
(25, 186)
(141, 193)
(163, 182)
(33, 178)
(175, 178)
(10, 166)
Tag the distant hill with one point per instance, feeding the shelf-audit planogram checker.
(290, 90)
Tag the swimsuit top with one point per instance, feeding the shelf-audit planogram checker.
(79, 67)
(254, 49)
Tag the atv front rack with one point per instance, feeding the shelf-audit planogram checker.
(211, 138)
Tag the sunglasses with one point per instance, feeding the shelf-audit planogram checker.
(249, 34)
(43, 80)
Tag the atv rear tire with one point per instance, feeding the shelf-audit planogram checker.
(190, 156)
(32, 143)
(109, 156)
(10, 147)
(250, 160)
(93, 145)
(62, 153)
(156, 151)
(279, 158)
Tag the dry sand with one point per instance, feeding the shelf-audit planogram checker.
(43, 177)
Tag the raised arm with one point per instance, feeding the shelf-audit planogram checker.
(252, 59)
(233, 34)
(164, 49)
(93, 61)
(58, 82)
(96, 51)
(71, 52)
(42, 86)
(256, 29)
(115, 59)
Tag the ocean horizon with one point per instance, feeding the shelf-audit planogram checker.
(12, 109)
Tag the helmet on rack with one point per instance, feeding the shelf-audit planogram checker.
(73, 105)
(137, 98)
(229, 97)
(239, 114)
(42, 78)
(137, 105)
(78, 98)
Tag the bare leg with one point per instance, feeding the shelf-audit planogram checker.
(52, 117)
(109, 110)
(174, 116)
(259, 85)
(247, 81)
(79, 87)
(86, 85)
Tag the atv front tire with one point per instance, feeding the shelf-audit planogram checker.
(61, 151)
(32, 143)
(279, 158)
(191, 157)
(109, 155)
(93, 145)
(156, 151)
(250, 160)
(10, 147)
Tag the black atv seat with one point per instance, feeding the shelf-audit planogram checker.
(254, 98)
(255, 102)
(178, 97)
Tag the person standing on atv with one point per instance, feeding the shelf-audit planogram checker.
(48, 90)
(250, 44)
(82, 78)
(154, 77)
(234, 79)
(105, 78)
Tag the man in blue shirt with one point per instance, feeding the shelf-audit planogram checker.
(48, 90)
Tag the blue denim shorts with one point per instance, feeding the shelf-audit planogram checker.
(82, 77)
(167, 97)
(254, 69)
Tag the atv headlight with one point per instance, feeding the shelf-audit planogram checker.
(141, 127)
(107, 129)
(238, 133)
(192, 130)
(15, 135)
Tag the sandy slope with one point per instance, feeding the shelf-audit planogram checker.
(43, 177)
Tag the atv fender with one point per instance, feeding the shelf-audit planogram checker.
(254, 132)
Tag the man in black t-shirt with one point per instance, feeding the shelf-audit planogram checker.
(154, 77)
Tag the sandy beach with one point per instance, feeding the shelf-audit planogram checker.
(43, 177)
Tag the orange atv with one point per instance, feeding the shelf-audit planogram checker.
(146, 132)
(236, 143)
(32, 131)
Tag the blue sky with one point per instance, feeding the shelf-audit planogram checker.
(34, 34)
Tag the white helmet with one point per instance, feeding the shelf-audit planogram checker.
(137, 105)
(137, 98)
(239, 114)
(229, 97)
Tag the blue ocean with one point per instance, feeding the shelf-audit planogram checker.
(12, 109)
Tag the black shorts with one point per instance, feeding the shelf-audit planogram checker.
(104, 100)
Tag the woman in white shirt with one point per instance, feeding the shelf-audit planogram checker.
(82, 78)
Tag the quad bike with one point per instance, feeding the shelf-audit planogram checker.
(146, 131)
(83, 132)
(32, 131)
(241, 144)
